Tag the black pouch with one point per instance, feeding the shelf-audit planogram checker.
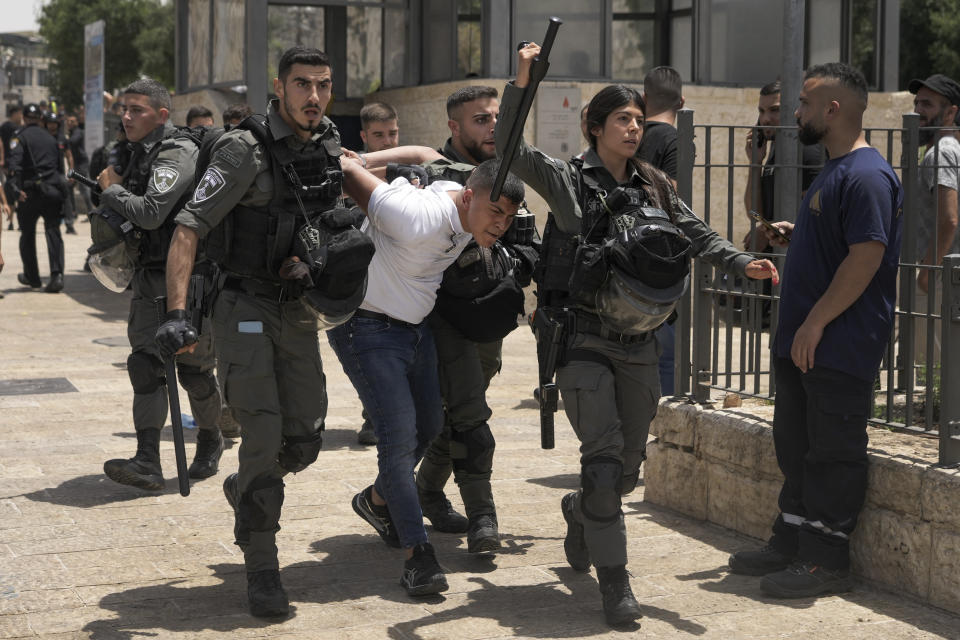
(487, 318)
(589, 273)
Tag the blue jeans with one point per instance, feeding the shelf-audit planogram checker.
(666, 336)
(393, 367)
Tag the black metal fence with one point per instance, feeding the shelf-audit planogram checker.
(724, 329)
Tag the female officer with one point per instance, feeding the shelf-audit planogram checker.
(608, 373)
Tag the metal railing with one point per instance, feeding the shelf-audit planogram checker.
(724, 328)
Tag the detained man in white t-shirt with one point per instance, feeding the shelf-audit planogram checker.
(387, 349)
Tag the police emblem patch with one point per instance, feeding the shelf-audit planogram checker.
(164, 178)
(211, 182)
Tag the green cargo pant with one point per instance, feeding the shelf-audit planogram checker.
(466, 368)
(195, 369)
(610, 409)
(274, 382)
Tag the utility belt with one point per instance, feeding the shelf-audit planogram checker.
(382, 317)
(586, 322)
(276, 291)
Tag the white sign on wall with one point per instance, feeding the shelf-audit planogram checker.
(558, 121)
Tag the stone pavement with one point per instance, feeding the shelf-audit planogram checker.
(82, 557)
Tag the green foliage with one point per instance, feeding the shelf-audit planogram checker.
(929, 39)
(138, 41)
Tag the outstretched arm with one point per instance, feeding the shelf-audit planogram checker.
(358, 183)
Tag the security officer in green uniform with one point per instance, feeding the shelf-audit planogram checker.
(468, 332)
(267, 177)
(154, 183)
(607, 205)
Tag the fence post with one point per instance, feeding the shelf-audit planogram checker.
(686, 154)
(950, 362)
(909, 160)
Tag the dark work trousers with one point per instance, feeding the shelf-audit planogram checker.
(37, 206)
(466, 368)
(610, 409)
(820, 433)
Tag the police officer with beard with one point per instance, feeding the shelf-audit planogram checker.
(152, 185)
(267, 177)
(477, 305)
(34, 179)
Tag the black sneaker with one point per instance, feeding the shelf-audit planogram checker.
(759, 563)
(482, 534)
(441, 514)
(619, 605)
(574, 544)
(378, 516)
(422, 575)
(365, 435)
(137, 472)
(266, 595)
(805, 579)
(34, 284)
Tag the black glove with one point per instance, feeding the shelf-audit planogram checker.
(175, 333)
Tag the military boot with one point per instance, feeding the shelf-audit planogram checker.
(143, 469)
(441, 514)
(575, 542)
(266, 595)
(482, 534)
(619, 605)
(206, 460)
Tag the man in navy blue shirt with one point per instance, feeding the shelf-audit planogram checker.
(836, 313)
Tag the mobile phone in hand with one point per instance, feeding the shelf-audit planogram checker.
(766, 225)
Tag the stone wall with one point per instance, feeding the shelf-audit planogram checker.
(720, 466)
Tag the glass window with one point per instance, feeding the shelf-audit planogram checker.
(228, 37)
(745, 42)
(364, 28)
(633, 47)
(824, 31)
(676, 5)
(43, 77)
(22, 76)
(634, 6)
(469, 39)
(198, 36)
(287, 26)
(681, 46)
(437, 40)
(395, 47)
(863, 38)
(577, 52)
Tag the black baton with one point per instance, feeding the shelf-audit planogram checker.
(170, 366)
(538, 69)
(82, 179)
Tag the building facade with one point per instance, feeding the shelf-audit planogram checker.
(24, 68)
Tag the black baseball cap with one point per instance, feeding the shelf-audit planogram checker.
(939, 83)
(32, 111)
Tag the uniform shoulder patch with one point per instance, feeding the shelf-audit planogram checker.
(211, 182)
(228, 156)
(164, 178)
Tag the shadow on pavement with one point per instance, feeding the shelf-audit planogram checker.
(569, 481)
(86, 290)
(94, 490)
(721, 580)
(345, 438)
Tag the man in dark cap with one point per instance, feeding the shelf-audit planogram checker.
(937, 100)
(34, 155)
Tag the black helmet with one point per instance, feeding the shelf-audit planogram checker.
(649, 271)
(50, 116)
(32, 111)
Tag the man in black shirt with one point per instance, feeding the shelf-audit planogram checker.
(81, 163)
(7, 130)
(663, 97)
(758, 196)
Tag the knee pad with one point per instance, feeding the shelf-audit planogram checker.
(472, 450)
(197, 383)
(299, 452)
(602, 479)
(259, 508)
(145, 371)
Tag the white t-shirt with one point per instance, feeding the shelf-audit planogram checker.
(417, 234)
(940, 166)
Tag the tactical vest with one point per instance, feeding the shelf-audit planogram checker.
(252, 242)
(154, 243)
(578, 269)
